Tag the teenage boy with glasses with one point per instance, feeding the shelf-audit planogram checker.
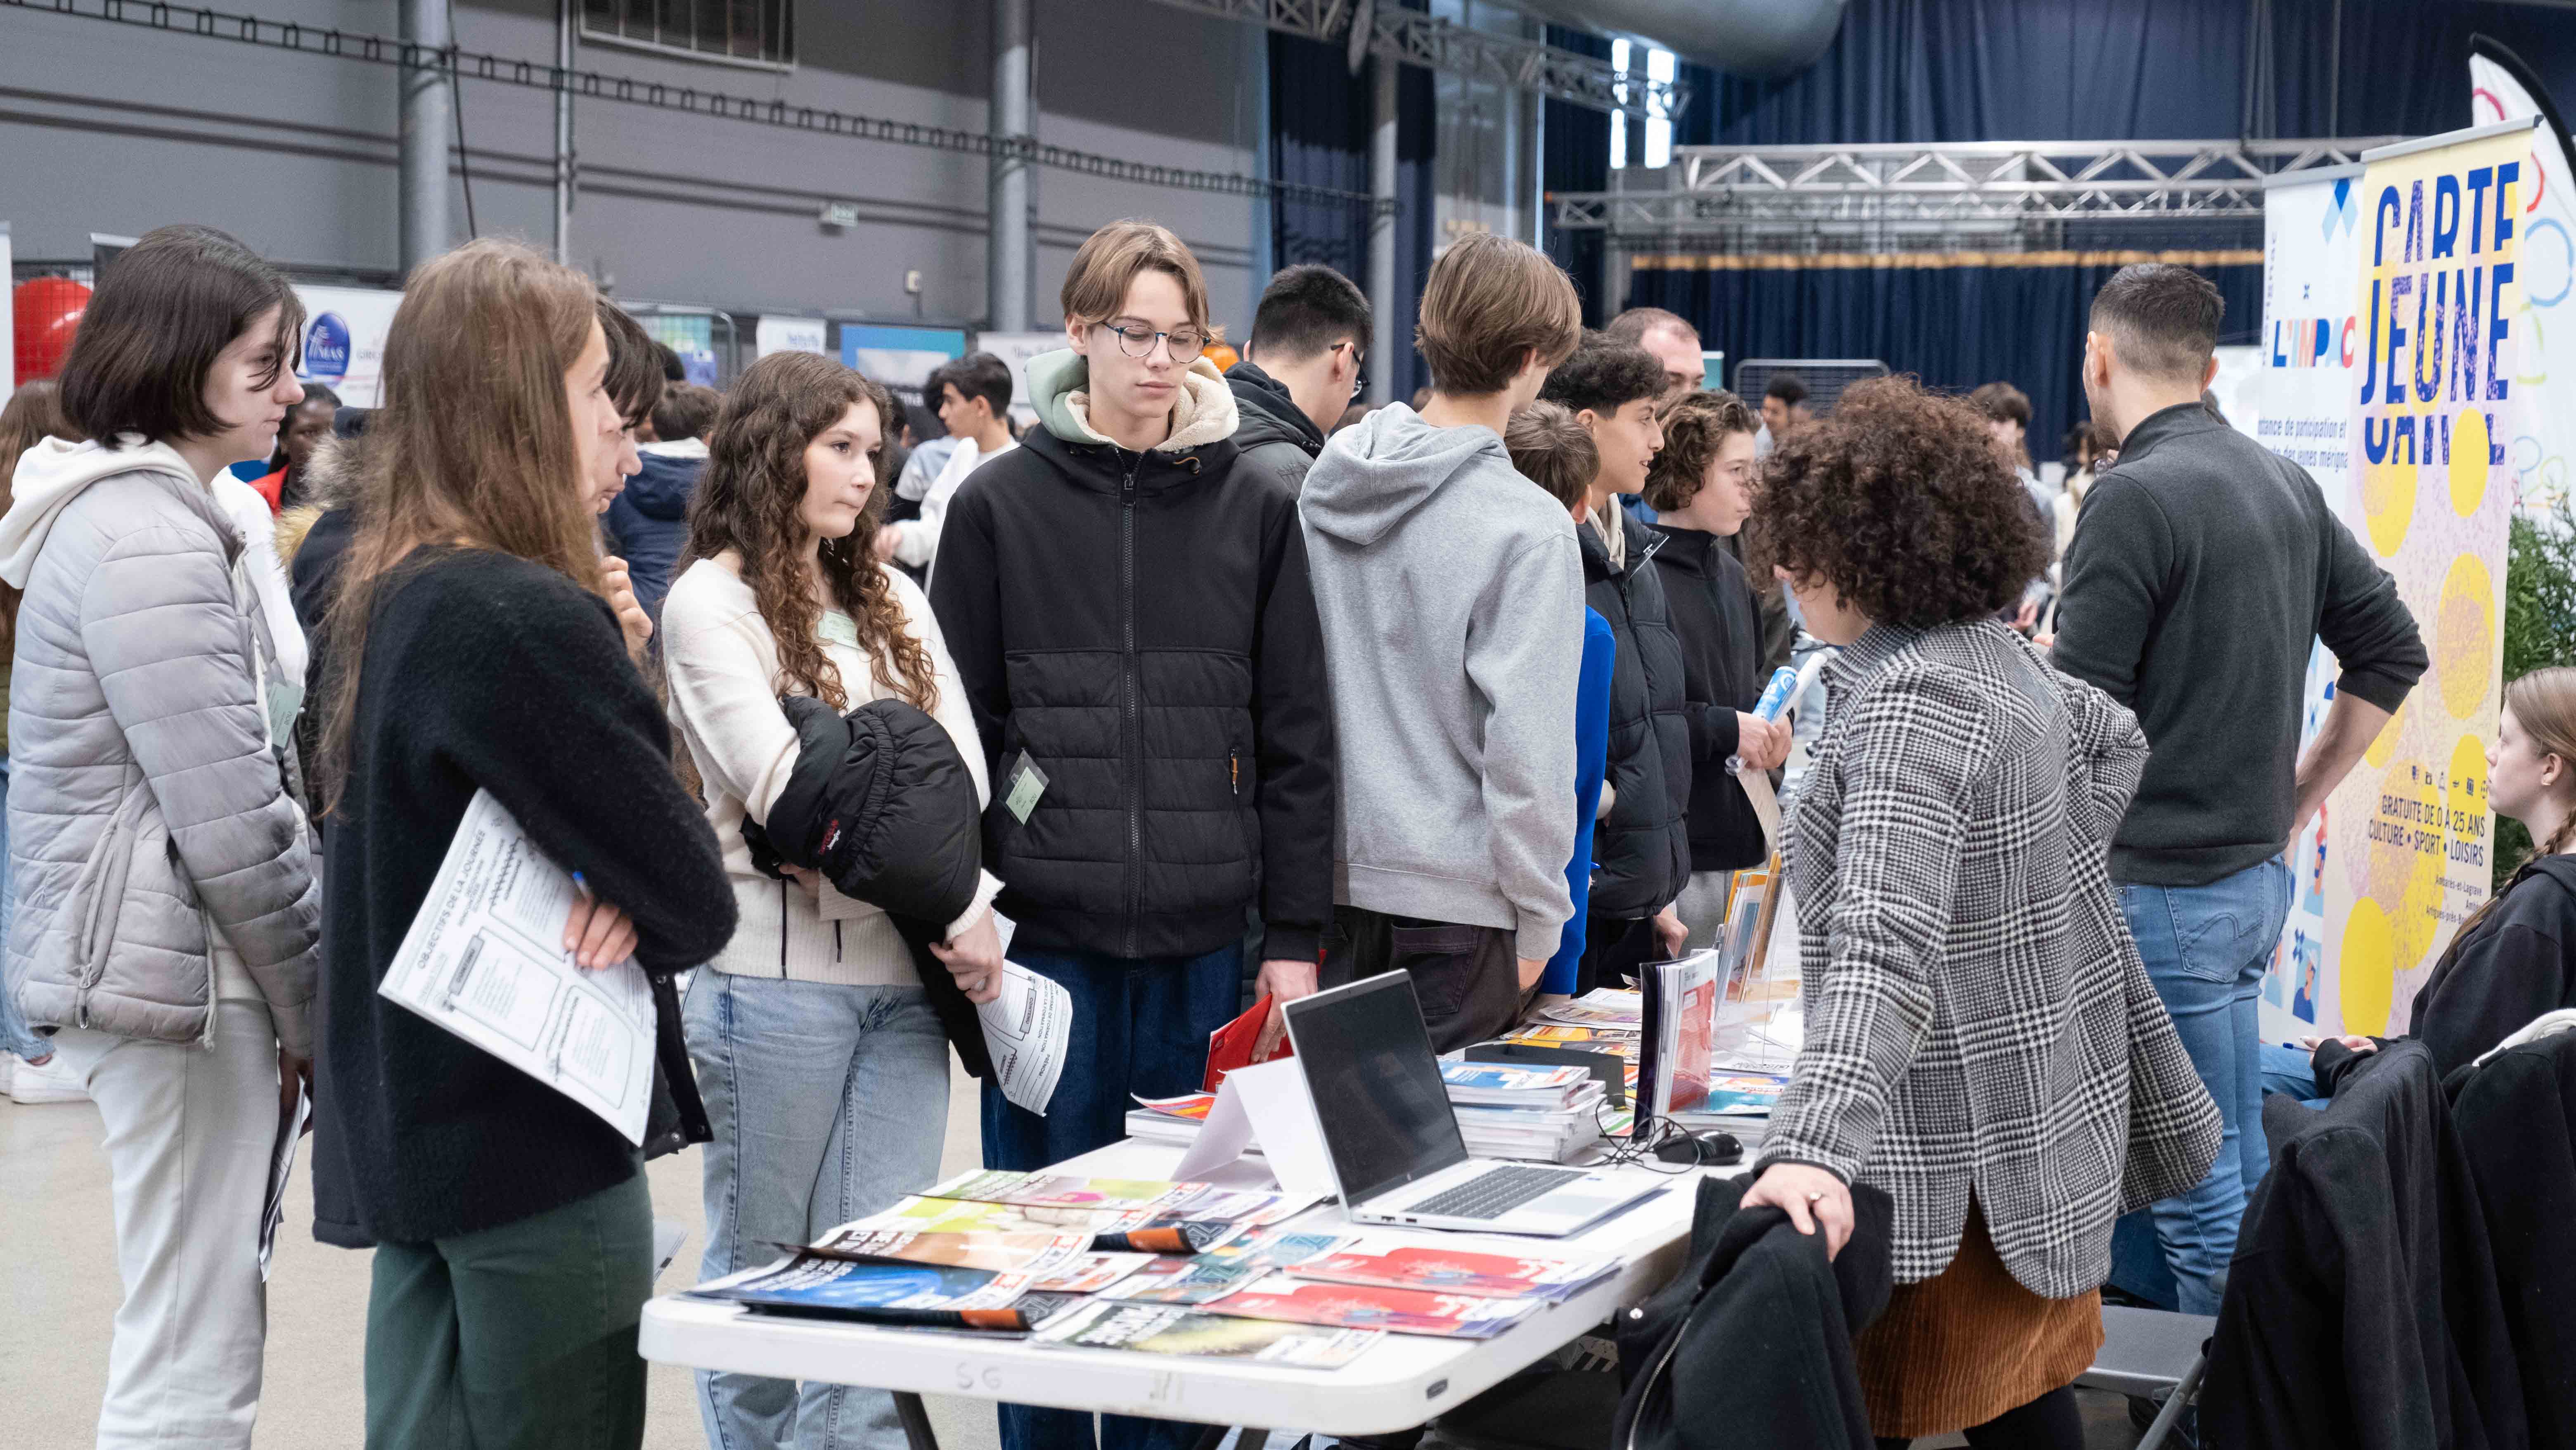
(1130, 616)
(1452, 598)
(1300, 369)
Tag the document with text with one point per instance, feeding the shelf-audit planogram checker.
(484, 960)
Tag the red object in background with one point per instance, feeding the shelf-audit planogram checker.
(1230, 1046)
(47, 312)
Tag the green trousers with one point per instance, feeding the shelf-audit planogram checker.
(520, 1337)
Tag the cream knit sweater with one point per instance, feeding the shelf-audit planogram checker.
(723, 665)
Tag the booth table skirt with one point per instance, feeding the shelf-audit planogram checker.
(1970, 1343)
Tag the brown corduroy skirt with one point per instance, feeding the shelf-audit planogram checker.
(1970, 1343)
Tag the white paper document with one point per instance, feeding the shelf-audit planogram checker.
(1025, 1031)
(484, 959)
(281, 1167)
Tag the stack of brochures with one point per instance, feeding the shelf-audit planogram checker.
(1540, 1114)
(1171, 1120)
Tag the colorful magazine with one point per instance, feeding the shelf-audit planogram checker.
(1059, 1190)
(1091, 1273)
(1352, 1306)
(1170, 1329)
(1000, 1253)
(1743, 1094)
(1432, 1268)
(1130, 1231)
(1193, 1106)
(1679, 1035)
(1221, 1270)
(1495, 1084)
(919, 1295)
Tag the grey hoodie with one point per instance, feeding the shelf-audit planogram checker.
(1451, 590)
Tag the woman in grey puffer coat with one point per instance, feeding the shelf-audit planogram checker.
(167, 913)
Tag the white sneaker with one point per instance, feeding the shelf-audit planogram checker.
(8, 1070)
(51, 1083)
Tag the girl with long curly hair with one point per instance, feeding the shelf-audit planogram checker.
(824, 1066)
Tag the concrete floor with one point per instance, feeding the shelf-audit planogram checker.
(59, 1285)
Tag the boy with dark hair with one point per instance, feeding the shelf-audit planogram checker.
(1131, 622)
(2202, 568)
(973, 397)
(1452, 600)
(1642, 852)
(1784, 406)
(1300, 369)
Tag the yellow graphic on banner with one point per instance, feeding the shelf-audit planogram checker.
(2441, 313)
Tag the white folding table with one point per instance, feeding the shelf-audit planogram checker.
(1403, 1381)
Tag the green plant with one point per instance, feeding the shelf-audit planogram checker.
(2539, 627)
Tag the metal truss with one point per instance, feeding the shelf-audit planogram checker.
(1418, 39)
(453, 63)
(1906, 195)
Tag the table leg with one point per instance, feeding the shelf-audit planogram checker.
(916, 1421)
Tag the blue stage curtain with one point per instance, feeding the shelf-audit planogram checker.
(1574, 147)
(1321, 118)
(1955, 327)
(1319, 136)
(2036, 70)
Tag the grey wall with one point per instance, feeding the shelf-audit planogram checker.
(107, 128)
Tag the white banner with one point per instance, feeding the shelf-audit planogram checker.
(2392, 328)
(790, 334)
(2542, 452)
(344, 341)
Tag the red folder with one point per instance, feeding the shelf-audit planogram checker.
(1230, 1046)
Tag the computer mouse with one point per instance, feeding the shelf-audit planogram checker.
(1709, 1149)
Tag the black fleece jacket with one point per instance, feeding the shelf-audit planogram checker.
(2517, 1123)
(1141, 627)
(1276, 438)
(2203, 567)
(484, 671)
(2511, 965)
(1719, 622)
(2362, 1309)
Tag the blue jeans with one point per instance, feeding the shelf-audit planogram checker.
(1140, 1027)
(15, 1037)
(828, 1104)
(2291, 1072)
(2206, 948)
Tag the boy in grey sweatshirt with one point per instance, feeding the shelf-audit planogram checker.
(1451, 595)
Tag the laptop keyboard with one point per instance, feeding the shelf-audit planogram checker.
(1494, 1194)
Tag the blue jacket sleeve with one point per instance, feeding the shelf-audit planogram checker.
(1591, 759)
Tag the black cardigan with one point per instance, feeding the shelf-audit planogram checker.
(1719, 622)
(2512, 965)
(484, 670)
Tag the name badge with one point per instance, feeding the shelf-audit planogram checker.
(1026, 784)
(838, 628)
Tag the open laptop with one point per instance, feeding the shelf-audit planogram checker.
(1393, 1139)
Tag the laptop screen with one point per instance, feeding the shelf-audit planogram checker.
(1384, 1112)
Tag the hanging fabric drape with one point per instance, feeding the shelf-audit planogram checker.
(1575, 156)
(1956, 326)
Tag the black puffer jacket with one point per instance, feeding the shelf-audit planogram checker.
(1641, 852)
(1141, 627)
(1719, 623)
(882, 804)
(1275, 437)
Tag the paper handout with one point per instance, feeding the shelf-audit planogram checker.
(1026, 1030)
(1268, 1105)
(281, 1167)
(484, 960)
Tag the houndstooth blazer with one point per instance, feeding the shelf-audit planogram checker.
(1977, 1018)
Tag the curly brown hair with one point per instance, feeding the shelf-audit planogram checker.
(747, 501)
(1694, 425)
(1901, 501)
